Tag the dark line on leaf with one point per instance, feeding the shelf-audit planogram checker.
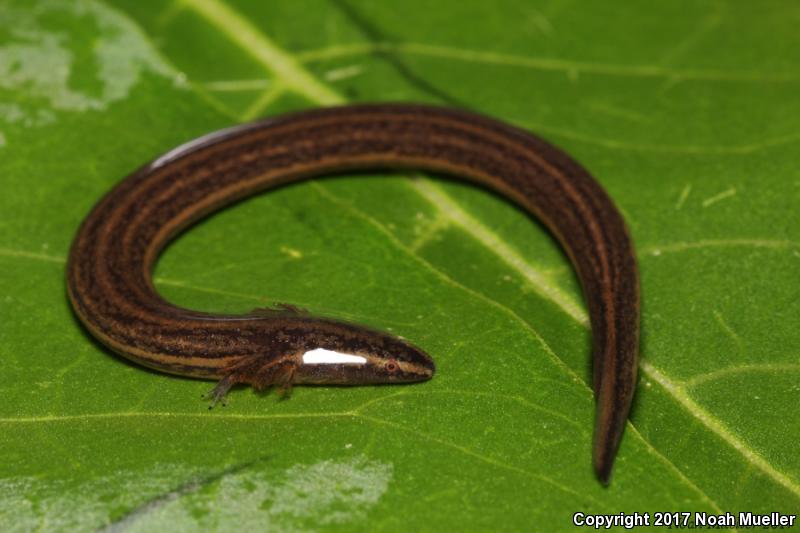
(376, 36)
(189, 487)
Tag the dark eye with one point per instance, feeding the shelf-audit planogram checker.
(391, 366)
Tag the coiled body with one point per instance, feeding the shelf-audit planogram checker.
(110, 265)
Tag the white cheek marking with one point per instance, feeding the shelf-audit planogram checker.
(321, 356)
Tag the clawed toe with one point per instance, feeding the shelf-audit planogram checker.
(218, 393)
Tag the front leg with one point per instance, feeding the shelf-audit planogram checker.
(279, 372)
(261, 373)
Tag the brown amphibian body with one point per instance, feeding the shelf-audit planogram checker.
(109, 276)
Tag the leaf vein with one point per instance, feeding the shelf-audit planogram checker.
(776, 368)
(717, 427)
(542, 63)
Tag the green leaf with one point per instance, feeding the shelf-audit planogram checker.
(686, 111)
